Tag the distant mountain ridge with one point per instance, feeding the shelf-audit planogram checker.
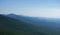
(37, 21)
(23, 25)
(9, 26)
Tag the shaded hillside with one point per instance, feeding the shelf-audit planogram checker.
(10, 26)
(47, 23)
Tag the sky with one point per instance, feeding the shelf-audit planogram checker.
(34, 8)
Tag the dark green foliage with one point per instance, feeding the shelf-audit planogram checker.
(9, 26)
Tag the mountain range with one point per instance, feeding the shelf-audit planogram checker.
(13, 24)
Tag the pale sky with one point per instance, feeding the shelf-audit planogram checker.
(34, 8)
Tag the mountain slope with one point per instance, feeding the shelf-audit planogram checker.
(10, 26)
(50, 24)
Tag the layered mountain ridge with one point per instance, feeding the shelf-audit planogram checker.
(22, 25)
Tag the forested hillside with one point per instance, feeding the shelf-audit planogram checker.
(10, 26)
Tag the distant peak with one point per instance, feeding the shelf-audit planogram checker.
(11, 14)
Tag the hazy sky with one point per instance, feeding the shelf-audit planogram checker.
(39, 8)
